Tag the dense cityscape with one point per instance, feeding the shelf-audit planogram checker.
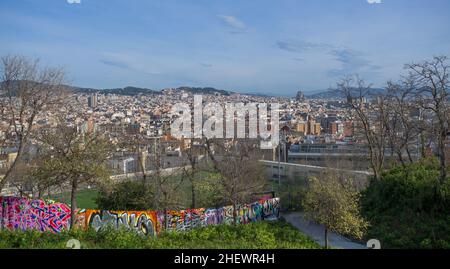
(283, 127)
(311, 122)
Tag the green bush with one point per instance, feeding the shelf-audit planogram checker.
(128, 195)
(409, 207)
(208, 191)
(262, 235)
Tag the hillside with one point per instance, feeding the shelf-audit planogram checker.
(335, 94)
(131, 91)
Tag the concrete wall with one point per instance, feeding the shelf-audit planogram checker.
(291, 171)
(18, 213)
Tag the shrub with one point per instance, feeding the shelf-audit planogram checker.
(409, 207)
(128, 195)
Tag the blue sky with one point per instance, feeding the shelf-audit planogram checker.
(262, 46)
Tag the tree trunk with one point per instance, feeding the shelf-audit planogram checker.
(193, 204)
(400, 158)
(165, 219)
(326, 238)
(423, 152)
(11, 168)
(408, 152)
(144, 179)
(372, 163)
(443, 155)
(143, 168)
(234, 214)
(73, 203)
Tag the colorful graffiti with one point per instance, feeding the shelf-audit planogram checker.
(192, 218)
(270, 208)
(143, 222)
(182, 220)
(213, 216)
(264, 209)
(21, 213)
(24, 214)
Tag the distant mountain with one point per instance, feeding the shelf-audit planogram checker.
(334, 94)
(206, 90)
(328, 94)
(260, 94)
(210, 90)
(130, 91)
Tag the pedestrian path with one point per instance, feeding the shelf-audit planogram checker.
(317, 232)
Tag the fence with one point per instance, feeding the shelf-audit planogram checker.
(23, 214)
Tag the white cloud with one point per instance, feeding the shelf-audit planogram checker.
(74, 1)
(374, 1)
(232, 22)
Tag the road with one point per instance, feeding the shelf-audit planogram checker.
(317, 232)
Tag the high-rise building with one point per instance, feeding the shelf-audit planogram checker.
(300, 96)
(333, 129)
(93, 100)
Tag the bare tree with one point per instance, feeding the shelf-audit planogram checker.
(72, 158)
(403, 128)
(167, 182)
(371, 118)
(432, 79)
(27, 92)
(241, 174)
(137, 145)
(191, 171)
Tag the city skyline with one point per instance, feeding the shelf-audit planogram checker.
(251, 47)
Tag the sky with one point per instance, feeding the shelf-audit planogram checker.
(255, 46)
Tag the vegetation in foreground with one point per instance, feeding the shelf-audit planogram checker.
(334, 202)
(261, 235)
(409, 207)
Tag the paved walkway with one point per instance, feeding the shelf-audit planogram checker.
(317, 232)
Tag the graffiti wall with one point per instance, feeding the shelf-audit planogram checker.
(21, 213)
(193, 218)
(182, 220)
(24, 214)
(143, 222)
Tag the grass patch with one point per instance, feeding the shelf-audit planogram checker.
(261, 235)
(85, 198)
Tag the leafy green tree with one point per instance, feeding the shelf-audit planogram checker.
(72, 158)
(334, 203)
